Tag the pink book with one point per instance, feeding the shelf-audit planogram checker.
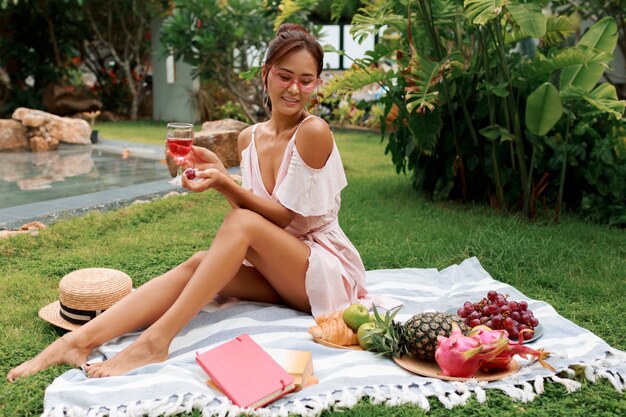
(245, 372)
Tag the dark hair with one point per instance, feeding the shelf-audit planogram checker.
(291, 37)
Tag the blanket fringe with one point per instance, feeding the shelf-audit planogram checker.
(416, 393)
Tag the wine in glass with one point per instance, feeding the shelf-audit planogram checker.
(179, 141)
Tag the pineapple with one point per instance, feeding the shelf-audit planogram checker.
(418, 336)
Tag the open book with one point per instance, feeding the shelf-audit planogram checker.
(245, 372)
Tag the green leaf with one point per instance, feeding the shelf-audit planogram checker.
(601, 36)
(354, 79)
(494, 132)
(288, 8)
(541, 65)
(480, 12)
(491, 132)
(425, 128)
(557, 29)
(424, 79)
(529, 17)
(543, 109)
(603, 98)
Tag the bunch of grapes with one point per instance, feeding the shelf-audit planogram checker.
(498, 313)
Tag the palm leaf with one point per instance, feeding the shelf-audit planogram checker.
(289, 8)
(425, 76)
(365, 24)
(425, 128)
(354, 79)
(480, 12)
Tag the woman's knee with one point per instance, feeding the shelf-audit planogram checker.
(242, 219)
(195, 259)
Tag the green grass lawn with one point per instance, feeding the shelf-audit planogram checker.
(142, 131)
(577, 267)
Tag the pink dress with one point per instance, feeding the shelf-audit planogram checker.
(335, 277)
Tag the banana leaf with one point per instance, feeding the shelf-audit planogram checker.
(543, 109)
(601, 36)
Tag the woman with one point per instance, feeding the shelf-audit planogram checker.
(281, 243)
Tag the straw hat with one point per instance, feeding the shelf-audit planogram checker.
(84, 294)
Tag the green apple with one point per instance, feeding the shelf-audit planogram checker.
(364, 335)
(355, 315)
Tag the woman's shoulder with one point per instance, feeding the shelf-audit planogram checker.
(315, 142)
(244, 138)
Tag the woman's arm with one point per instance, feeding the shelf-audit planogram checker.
(314, 143)
(212, 174)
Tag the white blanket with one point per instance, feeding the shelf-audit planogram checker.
(179, 384)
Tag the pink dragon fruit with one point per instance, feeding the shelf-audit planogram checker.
(486, 336)
(462, 356)
(486, 349)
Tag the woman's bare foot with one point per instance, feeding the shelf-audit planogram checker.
(145, 350)
(69, 349)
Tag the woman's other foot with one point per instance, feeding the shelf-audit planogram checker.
(68, 349)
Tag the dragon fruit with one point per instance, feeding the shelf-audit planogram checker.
(483, 349)
(462, 356)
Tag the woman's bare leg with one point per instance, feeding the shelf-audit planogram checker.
(154, 297)
(281, 259)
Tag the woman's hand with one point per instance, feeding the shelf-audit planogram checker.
(204, 159)
(210, 178)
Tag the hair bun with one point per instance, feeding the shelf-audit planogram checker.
(288, 27)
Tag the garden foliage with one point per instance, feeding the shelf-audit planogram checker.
(486, 100)
(225, 42)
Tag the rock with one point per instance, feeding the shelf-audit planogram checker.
(32, 225)
(222, 142)
(40, 144)
(44, 131)
(12, 135)
(171, 194)
(224, 124)
(219, 136)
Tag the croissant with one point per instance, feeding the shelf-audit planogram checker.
(333, 329)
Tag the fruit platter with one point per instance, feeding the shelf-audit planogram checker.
(454, 345)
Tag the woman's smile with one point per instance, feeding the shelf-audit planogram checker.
(291, 101)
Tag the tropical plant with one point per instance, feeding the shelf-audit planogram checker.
(595, 10)
(463, 74)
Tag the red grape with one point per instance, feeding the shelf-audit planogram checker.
(498, 313)
(190, 173)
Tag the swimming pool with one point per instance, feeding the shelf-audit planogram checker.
(75, 178)
(27, 177)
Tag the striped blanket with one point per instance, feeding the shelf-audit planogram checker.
(345, 376)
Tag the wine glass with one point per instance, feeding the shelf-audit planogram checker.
(179, 140)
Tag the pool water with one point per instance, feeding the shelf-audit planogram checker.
(29, 177)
